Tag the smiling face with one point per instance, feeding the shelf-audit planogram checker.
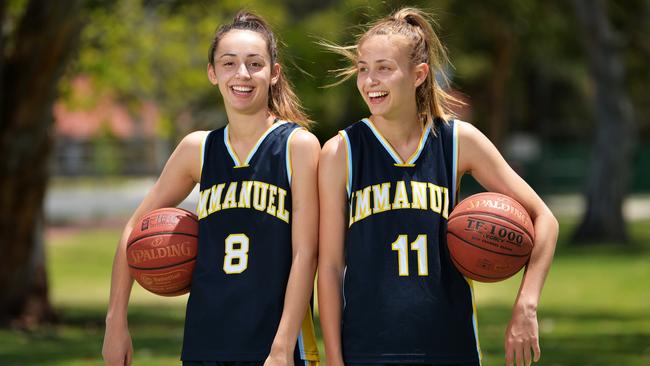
(386, 78)
(243, 71)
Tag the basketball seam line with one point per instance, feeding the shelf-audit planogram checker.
(159, 233)
(163, 267)
(467, 213)
(489, 250)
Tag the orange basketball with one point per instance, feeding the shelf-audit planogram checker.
(161, 251)
(489, 236)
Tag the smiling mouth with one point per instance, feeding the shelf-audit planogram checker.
(377, 96)
(242, 90)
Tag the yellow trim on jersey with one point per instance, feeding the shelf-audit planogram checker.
(232, 152)
(418, 150)
(410, 162)
(475, 320)
(307, 340)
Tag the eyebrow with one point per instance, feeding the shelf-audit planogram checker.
(234, 55)
(378, 61)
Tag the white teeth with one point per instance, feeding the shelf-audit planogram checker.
(375, 94)
(243, 89)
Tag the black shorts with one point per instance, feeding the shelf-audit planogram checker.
(297, 361)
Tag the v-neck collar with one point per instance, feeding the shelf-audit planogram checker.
(251, 153)
(410, 162)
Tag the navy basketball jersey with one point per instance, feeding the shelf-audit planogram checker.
(244, 256)
(404, 301)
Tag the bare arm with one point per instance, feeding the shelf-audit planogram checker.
(479, 157)
(332, 180)
(181, 173)
(304, 151)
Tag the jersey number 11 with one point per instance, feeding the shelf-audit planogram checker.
(401, 247)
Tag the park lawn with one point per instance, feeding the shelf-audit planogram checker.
(594, 310)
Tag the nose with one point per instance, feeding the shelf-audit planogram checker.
(371, 80)
(242, 72)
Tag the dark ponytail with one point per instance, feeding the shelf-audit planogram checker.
(283, 102)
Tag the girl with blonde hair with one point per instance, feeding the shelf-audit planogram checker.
(388, 291)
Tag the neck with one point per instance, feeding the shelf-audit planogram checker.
(399, 131)
(248, 126)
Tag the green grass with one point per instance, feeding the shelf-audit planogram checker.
(595, 308)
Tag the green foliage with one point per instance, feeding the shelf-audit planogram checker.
(141, 53)
(156, 50)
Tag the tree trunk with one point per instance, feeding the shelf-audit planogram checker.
(609, 171)
(44, 40)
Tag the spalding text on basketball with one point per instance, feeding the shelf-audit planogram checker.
(175, 250)
(500, 205)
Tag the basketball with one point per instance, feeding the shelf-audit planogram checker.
(161, 251)
(489, 236)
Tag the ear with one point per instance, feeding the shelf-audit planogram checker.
(275, 73)
(212, 75)
(421, 73)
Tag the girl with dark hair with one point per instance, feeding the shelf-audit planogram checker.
(258, 216)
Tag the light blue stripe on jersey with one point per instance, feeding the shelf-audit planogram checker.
(259, 141)
(203, 143)
(384, 143)
(345, 271)
(226, 142)
(454, 165)
(389, 149)
(348, 149)
(231, 151)
(301, 346)
(475, 321)
(423, 140)
(288, 155)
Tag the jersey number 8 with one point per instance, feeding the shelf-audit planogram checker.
(236, 259)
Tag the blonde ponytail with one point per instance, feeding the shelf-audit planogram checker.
(432, 101)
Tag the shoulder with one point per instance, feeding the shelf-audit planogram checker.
(474, 148)
(467, 131)
(190, 150)
(357, 126)
(334, 151)
(303, 140)
(193, 140)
